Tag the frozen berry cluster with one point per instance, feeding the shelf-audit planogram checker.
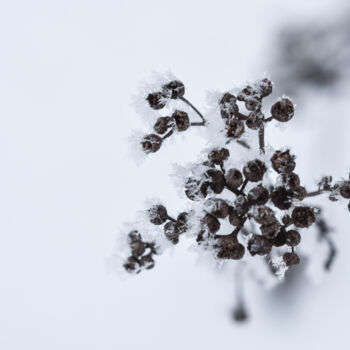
(264, 215)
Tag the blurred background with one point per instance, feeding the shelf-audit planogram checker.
(67, 73)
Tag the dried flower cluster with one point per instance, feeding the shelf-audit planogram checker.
(264, 215)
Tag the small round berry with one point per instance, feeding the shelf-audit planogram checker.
(282, 198)
(182, 222)
(230, 249)
(283, 110)
(212, 223)
(235, 219)
(270, 230)
(218, 207)
(228, 106)
(158, 214)
(171, 232)
(175, 89)
(264, 215)
(280, 239)
(245, 93)
(258, 195)
(291, 181)
(293, 238)
(162, 125)
(255, 120)
(252, 103)
(136, 244)
(265, 86)
(234, 179)
(235, 128)
(218, 156)
(131, 264)
(151, 143)
(216, 180)
(303, 217)
(345, 190)
(300, 193)
(286, 219)
(182, 120)
(196, 189)
(156, 100)
(147, 262)
(291, 259)
(241, 205)
(254, 170)
(283, 161)
(259, 245)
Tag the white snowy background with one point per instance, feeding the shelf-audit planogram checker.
(68, 69)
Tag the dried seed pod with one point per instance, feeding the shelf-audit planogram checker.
(259, 245)
(283, 110)
(265, 87)
(158, 214)
(196, 189)
(182, 222)
(234, 179)
(270, 230)
(241, 205)
(235, 219)
(253, 103)
(280, 239)
(235, 128)
(131, 264)
(258, 195)
(264, 215)
(300, 193)
(171, 232)
(137, 247)
(218, 156)
(182, 121)
(291, 259)
(345, 189)
(286, 219)
(151, 143)
(218, 207)
(162, 125)
(156, 100)
(212, 223)
(230, 249)
(147, 262)
(282, 198)
(175, 89)
(255, 120)
(283, 162)
(303, 217)
(291, 181)
(228, 106)
(216, 180)
(245, 93)
(293, 238)
(254, 170)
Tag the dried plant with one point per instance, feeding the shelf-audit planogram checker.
(245, 206)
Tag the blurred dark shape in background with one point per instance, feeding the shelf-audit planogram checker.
(312, 55)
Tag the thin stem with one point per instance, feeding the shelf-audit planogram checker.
(170, 218)
(244, 185)
(241, 116)
(194, 108)
(168, 134)
(197, 124)
(315, 193)
(243, 143)
(222, 168)
(262, 138)
(268, 119)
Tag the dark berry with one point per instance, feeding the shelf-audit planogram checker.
(259, 245)
(158, 214)
(245, 93)
(283, 110)
(171, 232)
(218, 156)
(156, 100)
(175, 89)
(291, 259)
(132, 264)
(270, 230)
(293, 238)
(182, 222)
(241, 205)
(300, 193)
(286, 220)
(212, 223)
(182, 120)
(218, 207)
(254, 170)
(235, 128)
(137, 247)
(230, 249)
(228, 106)
(280, 239)
(216, 180)
(252, 103)
(162, 125)
(291, 181)
(282, 198)
(345, 189)
(283, 161)
(264, 215)
(265, 87)
(258, 195)
(151, 143)
(303, 217)
(255, 120)
(234, 179)
(196, 189)
(235, 219)
(147, 262)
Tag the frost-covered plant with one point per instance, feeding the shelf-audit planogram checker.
(243, 205)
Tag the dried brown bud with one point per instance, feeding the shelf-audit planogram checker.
(234, 179)
(230, 249)
(171, 232)
(151, 143)
(162, 125)
(156, 100)
(218, 156)
(258, 195)
(259, 245)
(235, 128)
(212, 223)
(293, 238)
(283, 110)
(254, 170)
(228, 106)
(345, 190)
(291, 259)
(283, 161)
(282, 198)
(158, 214)
(175, 89)
(303, 217)
(182, 120)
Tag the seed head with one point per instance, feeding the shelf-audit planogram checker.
(151, 143)
(283, 110)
